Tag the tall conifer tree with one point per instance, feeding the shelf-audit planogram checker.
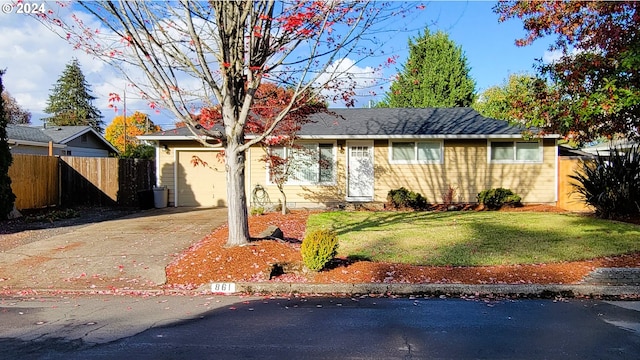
(435, 75)
(70, 100)
(6, 195)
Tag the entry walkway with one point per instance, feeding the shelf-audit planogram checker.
(128, 253)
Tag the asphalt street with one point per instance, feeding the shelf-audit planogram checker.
(230, 327)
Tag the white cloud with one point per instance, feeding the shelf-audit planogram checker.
(344, 75)
(550, 57)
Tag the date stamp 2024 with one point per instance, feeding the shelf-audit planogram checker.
(28, 8)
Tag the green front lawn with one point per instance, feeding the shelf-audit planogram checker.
(475, 238)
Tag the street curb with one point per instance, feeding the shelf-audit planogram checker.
(524, 290)
(285, 289)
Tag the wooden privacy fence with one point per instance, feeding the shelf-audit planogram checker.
(34, 181)
(567, 198)
(39, 181)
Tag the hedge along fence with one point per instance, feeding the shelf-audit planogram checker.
(72, 181)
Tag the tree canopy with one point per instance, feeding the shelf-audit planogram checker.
(15, 113)
(436, 74)
(513, 100)
(594, 86)
(70, 100)
(188, 56)
(7, 197)
(123, 135)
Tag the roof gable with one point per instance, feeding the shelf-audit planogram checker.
(64, 134)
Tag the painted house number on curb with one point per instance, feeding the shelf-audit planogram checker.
(226, 288)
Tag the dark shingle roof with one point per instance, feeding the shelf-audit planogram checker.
(406, 122)
(63, 134)
(26, 133)
(394, 122)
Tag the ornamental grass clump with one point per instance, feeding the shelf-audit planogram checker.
(611, 184)
(318, 248)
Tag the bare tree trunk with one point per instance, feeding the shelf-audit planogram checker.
(284, 200)
(236, 196)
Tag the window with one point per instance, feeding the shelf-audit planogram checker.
(83, 138)
(307, 164)
(419, 152)
(515, 151)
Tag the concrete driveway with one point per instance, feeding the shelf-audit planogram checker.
(129, 253)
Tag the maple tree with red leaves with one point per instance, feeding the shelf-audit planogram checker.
(186, 56)
(595, 85)
(268, 103)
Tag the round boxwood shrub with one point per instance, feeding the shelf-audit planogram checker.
(494, 199)
(318, 248)
(405, 199)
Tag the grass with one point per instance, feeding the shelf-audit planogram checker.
(475, 238)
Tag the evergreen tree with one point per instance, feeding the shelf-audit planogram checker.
(6, 195)
(435, 75)
(70, 100)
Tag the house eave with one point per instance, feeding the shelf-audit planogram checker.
(439, 136)
(34, 143)
(353, 137)
(174, 137)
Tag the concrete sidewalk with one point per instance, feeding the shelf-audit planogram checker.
(129, 253)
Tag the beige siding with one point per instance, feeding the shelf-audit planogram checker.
(466, 168)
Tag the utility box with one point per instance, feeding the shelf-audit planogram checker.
(160, 196)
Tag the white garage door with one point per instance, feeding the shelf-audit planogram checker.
(199, 185)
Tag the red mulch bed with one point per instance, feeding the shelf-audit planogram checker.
(209, 261)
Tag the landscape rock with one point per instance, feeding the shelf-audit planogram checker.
(14, 214)
(271, 233)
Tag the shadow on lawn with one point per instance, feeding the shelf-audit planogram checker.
(497, 238)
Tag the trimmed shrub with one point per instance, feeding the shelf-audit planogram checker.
(494, 199)
(611, 184)
(318, 248)
(405, 199)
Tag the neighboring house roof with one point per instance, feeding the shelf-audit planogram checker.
(605, 148)
(385, 123)
(564, 150)
(65, 134)
(26, 135)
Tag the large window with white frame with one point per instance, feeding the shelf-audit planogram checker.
(415, 152)
(305, 164)
(515, 151)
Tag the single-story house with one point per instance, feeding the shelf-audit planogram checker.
(80, 141)
(58, 140)
(361, 154)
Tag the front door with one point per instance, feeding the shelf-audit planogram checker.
(360, 171)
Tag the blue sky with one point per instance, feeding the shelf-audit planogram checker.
(35, 58)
